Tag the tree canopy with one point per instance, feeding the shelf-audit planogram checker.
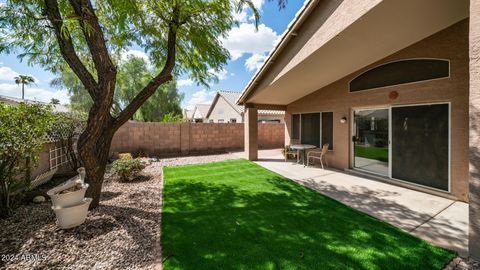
(133, 74)
(199, 25)
(179, 36)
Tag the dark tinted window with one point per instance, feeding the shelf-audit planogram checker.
(295, 126)
(327, 129)
(399, 72)
(311, 129)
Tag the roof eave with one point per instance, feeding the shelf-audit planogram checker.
(287, 35)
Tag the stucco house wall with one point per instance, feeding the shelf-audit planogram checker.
(451, 43)
(223, 110)
(270, 117)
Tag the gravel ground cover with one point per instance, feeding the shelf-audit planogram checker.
(460, 263)
(122, 233)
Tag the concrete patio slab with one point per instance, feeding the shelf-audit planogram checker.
(438, 220)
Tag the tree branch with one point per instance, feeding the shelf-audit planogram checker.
(67, 49)
(95, 39)
(164, 76)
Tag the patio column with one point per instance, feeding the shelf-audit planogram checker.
(251, 132)
(474, 142)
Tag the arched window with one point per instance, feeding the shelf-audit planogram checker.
(400, 72)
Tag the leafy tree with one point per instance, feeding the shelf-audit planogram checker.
(179, 36)
(24, 80)
(80, 100)
(133, 74)
(172, 118)
(22, 136)
(68, 126)
(166, 100)
(54, 101)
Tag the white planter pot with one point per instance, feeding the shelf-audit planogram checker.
(72, 216)
(70, 198)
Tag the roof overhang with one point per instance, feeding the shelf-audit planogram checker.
(384, 29)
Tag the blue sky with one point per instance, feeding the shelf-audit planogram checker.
(247, 47)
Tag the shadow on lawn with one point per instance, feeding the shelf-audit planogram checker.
(210, 225)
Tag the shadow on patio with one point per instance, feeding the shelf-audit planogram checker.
(438, 220)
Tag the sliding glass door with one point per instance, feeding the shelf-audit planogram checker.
(370, 139)
(408, 143)
(420, 145)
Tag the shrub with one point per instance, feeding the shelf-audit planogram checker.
(172, 118)
(68, 126)
(125, 156)
(127, 169)
(22, 136)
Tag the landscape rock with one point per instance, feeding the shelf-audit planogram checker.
(39, 199)
(122, 233)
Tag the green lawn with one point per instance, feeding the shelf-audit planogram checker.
(377, 153)
(238, 215)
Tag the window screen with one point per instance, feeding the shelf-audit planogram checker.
(295, 126)
(399, 72)
(420, 144)
(327, 129)
(311, 129)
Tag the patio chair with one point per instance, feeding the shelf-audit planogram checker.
(291, 152)
(315, 154)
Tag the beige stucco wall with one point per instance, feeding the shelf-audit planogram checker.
(270, 117)
(223, 110)
(474, 206)
(452, 44)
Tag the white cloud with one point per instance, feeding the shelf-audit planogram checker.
(258, 3)
(255, 61)
(135, 53)
(246, 39)
(34, 93)
(185, 82)
(7, 74)
(240, 16)
(221, 74)
(200, 97)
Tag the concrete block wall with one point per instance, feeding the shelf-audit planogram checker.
(169, 139)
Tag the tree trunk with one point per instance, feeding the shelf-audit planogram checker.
(94, 155)
(23, 91)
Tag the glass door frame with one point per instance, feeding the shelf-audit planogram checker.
(390, 142)
(353, 133)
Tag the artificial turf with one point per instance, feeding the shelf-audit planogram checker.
(377, 153)
(238, 215)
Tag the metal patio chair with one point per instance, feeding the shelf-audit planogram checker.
(315, 154)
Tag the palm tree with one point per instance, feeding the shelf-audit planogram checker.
(24, 80)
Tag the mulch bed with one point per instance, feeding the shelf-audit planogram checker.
(122, 233)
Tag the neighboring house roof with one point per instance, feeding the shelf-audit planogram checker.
(201, 111)
(188, 114)
(297, 21)
(15, 101)
(231, 97)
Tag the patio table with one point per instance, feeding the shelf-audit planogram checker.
(301, 151)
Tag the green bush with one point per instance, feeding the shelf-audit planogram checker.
(68, 126)
(22, 136)
(127, 169)
(125, 156)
